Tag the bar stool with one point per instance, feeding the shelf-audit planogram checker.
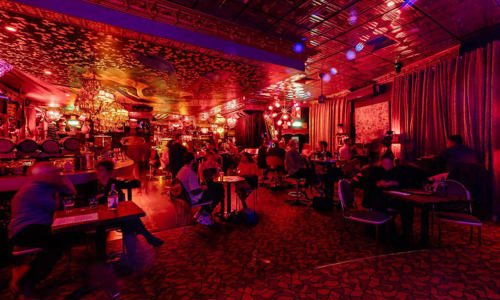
(299, 195)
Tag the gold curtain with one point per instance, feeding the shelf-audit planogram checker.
(324, 118)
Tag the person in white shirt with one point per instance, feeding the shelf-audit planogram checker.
(199, 193)
(345, 152)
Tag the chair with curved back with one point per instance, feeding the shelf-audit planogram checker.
(459, 215)
(276, 166)
(26, 148)
(350, 213)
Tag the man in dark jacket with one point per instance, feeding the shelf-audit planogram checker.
(175, 155)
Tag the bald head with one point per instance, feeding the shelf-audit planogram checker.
(43, 168)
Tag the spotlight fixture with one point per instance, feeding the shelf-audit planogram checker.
(398, 65)
(10, 28)
(321, 98)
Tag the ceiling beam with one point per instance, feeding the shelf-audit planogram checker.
(101, 14)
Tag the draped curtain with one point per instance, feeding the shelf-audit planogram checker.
(456, 96)
(323, 120)
(250, 129)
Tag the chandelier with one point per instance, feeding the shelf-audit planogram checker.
(283, 114)
(99, 105)
(111, 116)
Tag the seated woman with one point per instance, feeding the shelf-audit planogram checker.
(30, 226)
(100, 189)
(296, 166)
(199, 193)
(247, 169)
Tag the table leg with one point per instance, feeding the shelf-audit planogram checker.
(228, 197)
(424, 226)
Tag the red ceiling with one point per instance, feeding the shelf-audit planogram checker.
(329, 28)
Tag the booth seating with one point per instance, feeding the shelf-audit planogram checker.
(27, 148)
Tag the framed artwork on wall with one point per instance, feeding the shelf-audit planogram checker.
(371, 120)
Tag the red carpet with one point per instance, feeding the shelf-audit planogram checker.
(297, 253)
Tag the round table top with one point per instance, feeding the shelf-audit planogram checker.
(231, 179)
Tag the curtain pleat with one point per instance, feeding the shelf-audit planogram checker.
(324, 118)
(456, 96)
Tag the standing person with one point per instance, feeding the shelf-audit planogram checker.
(456, 154)
(176, 154)
(32, 212)
(346, 151)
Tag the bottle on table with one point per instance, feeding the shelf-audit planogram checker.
(113, 198)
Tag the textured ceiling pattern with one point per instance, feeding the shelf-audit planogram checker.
(176, 77)
(415, 29)
(166, 77)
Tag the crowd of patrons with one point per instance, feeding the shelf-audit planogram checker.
(197, 176)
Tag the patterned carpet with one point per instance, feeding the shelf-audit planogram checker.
(299, 253)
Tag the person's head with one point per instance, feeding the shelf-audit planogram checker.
(292, 144)
(188, 158)
(178, 137)
(387, 161)
(454, 140)
(104, 171)
(323, 145)
(282, 144)
(347, 141)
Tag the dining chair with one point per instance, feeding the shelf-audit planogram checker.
(459, 215)
(350, 213)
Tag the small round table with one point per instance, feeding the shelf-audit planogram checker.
(228, 180)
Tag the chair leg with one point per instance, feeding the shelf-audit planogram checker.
(439, 233)
(479, 239)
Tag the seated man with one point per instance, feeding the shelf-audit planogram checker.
(100, 189)
(199, 193)
(295, 164)
(30, 226)
(377, 179)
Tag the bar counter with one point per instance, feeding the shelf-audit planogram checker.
(13, 183)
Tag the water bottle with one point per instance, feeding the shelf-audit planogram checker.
(113, 198)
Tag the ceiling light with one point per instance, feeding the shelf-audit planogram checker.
(350, 55)
(333, 71)
(390, 4)
(10, 28)
(359, 47)
(47, 72)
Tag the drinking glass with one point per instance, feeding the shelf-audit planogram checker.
(68, 203)
(93, 202)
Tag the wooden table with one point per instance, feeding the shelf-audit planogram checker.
(228, 180)
(127, 210)
(425, 202)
